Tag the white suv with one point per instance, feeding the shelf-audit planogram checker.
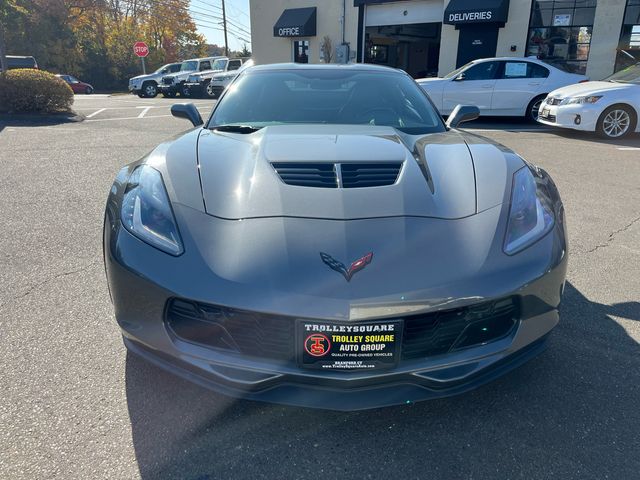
(175, 83)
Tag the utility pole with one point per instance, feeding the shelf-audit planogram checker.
(224, 25)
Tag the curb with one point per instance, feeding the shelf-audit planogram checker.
(40, 119)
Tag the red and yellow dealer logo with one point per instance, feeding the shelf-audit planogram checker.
(317, 345)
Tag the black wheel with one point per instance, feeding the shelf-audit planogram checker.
(149, 90)
(141, 95)
(184, 91)
(210, 91)
(617, 121)
(534, 107)
(88, 90)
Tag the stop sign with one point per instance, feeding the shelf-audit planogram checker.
(140, 49)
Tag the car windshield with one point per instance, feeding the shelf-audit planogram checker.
(327, 96)
(628, 75)
(219, 64)
(457, 71)
(189, 66)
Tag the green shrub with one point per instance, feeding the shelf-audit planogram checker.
(28, 90)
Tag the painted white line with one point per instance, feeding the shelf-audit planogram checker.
(513, 130)
(629, 149)
(96, 113)
(144, 112)
(126, 118)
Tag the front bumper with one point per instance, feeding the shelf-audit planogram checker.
(582, 117)
(163, 88)
(196, 88)
(143, 281)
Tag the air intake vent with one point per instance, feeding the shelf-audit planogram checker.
(359, 175)
(308, 174)
(351, 175)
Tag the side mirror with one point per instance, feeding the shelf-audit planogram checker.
(461, 114)
(459, 78)
(188, 111)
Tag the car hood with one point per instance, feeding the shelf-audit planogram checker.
(588, 88)
(437, 178)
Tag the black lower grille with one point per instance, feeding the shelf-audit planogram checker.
(441, 332)
(258, 335)
(273, 337)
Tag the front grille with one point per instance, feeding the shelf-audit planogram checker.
(549, 118)
(248, 333)
(347, 175)
(308, 174)
(273, 337)
(441, 332)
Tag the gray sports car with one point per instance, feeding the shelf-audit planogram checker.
(326, 240)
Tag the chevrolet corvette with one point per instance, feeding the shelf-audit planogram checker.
(326, 240)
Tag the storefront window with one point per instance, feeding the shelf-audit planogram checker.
(560, 32)
(629, 47)
(301, 51)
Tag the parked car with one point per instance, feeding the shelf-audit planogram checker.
(610, 108)
(324, 239)
(76, 85)
(220, 81)
(175, 83)
(505, 86)
(147, 85)
(199, 83)
(14, 61)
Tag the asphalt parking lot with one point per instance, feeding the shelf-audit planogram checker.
(75, 405)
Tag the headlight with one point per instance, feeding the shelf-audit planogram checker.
(146, 211)
(530, 215)
(587, 99)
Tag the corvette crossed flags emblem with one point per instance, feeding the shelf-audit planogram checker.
(347, 273)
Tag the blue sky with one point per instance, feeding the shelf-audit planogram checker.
(208, 14)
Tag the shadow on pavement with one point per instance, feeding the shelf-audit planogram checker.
(571, 413)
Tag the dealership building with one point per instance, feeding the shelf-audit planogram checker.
(433, 37)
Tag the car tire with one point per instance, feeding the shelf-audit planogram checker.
(149, 90)
(617, 121)
(88, 90)
(210, 92)
(184, 91)
(534, 107)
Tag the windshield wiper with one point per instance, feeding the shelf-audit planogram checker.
(237, 128)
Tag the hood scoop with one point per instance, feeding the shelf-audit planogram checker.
(338, 175)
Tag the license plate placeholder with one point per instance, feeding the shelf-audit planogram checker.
(348, 346)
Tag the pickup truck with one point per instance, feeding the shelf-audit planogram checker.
(199, 83)
(147, 85)
(175, 83)
(220, 81)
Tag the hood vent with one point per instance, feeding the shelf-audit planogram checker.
(308, 174)
(359, 175)
(344, 175)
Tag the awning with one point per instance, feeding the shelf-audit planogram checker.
(473, 11)
(296, 22)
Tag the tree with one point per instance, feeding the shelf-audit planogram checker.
(326, 47)
(245, 53)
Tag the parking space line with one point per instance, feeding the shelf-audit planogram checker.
(126, 118)
(629, 149)
(144, 111)
(96, 113)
